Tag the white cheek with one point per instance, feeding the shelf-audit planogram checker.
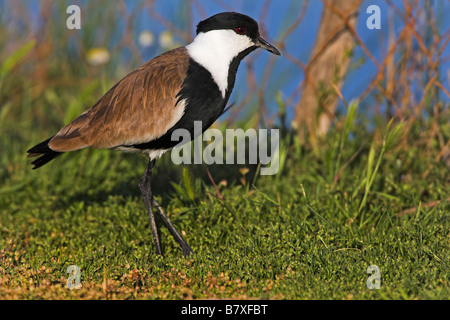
(214, 50)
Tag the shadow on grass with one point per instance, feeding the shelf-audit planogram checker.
(98, 188)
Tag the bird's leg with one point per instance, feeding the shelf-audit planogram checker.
(185, 248)
(149, 200)
(147, 196)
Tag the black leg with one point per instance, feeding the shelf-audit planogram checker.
(149, 200)
(184, 245)
(145, 187)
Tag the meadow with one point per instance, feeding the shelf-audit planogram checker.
(373, 191)
(309, 232)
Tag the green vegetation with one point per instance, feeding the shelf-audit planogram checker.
(309, 232)
(371, 192)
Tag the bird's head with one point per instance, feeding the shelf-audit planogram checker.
(222, 41)
(235, 32)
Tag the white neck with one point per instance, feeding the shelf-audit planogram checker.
(214, 50)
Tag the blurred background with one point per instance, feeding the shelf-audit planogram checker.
(364, 155)
(49, 74)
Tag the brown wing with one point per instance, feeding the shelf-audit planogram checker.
(139, 108)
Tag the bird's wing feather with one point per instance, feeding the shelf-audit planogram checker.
(138, 109)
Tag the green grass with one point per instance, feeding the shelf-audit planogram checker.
(371, 192)
(302, 234)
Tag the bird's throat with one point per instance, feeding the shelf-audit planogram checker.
(216, 51)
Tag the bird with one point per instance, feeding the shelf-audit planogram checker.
(169, 92)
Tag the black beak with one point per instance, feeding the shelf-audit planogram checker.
(260, 42)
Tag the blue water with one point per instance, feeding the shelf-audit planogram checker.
(286, 75)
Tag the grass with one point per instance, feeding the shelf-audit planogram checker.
(371, 192)
(299, 235)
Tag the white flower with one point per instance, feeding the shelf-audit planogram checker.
(98, 56)
(146, 38)
(166, 39)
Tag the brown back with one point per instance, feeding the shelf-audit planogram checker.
(139, 108)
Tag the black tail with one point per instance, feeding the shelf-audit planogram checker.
(42, 149)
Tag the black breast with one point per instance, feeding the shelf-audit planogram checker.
(204, 102)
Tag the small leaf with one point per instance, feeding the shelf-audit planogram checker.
(14, 58)
(187, 184)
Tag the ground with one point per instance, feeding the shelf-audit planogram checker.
(301, 234)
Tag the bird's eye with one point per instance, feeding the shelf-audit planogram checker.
(240, 30)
